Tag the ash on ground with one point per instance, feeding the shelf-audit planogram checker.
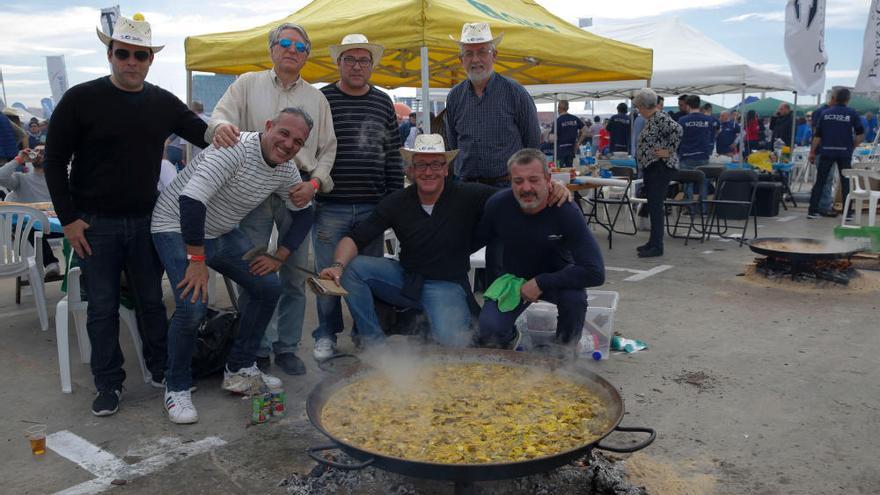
(594, 474)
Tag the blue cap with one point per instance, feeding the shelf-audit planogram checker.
(597, 355)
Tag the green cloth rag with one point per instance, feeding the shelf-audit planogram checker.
(505, 290)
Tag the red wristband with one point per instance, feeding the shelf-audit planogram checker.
(19, 160)
(314, 184)
(199, 258)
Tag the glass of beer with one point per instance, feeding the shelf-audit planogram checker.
(36, 434)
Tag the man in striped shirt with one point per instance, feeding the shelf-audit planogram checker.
(367, 168)
(194, 226)
(249, 102)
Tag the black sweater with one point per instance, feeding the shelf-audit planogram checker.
(116, 139)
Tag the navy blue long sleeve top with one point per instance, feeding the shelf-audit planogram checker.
(554, 246)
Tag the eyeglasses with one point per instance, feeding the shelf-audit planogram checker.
(123, 54)
(482, 53)
(436, 166)
(363, 62)
(287, 43)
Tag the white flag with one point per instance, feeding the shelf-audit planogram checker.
(869, 75)
(57, 76)
(805, 44)
(108, 19)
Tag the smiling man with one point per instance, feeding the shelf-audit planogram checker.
(114, 128)
(550, 252)
(249, 102)
(195, 227)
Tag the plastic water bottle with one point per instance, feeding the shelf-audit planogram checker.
(589, 346)
(522, 324)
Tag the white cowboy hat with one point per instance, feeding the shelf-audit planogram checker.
(352, 41)
(477, 32)
(135, 31)
(427, 143)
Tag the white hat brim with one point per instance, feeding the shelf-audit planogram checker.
(495, 41)
(107, 39)
(375, 50)
(408, 154)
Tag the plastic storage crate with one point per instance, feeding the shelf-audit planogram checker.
(540, 323)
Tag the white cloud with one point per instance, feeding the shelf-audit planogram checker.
(16, 83)
(842, 73)
(94, 70)
(627, 9)
(778, 16)
(839, 14)
(9, 69)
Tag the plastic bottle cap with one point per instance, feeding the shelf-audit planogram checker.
(597, 355)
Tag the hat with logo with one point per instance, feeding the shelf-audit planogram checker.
(135, 31)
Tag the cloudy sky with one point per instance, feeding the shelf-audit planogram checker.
(35, 28)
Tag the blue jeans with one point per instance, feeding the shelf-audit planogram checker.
(824, 168)
(285, 330)
(497, 327)
(257, 302)
(122, 244)
(689, 189)
(333, 221)
(825, 202)
(445, 303)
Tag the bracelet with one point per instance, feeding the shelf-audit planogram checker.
(198, 258)
(314, 183)
(337, 264)
(19, 160)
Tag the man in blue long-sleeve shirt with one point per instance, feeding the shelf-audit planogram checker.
(551, 248)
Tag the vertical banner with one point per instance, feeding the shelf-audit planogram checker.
(869, 74)
(108, 19)
(57, 76)
(48, 107)
(805, 44)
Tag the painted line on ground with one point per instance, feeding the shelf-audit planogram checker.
(639, 274)
(708, 252)
(107, 467)
(787, 218)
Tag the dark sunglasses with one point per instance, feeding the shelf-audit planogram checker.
(299, 45)
(123, 54)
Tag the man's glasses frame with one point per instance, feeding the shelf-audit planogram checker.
(436, 166)
(350, 61)
(122, 55)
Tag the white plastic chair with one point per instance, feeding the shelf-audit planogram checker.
(859, 192)
(73, 303)
(391, 244)
(478, 260)
(18, 258)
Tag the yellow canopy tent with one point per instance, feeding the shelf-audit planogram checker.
(538, 47)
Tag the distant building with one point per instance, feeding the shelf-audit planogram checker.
(209, 88)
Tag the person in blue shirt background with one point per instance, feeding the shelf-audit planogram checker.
(570, 132)
(619, 129)
(869, 122)
(728, 131)
(697, 140)
(839, 131)
(803, 134)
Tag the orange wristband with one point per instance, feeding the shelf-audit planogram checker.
(198, 258)
(314, 184)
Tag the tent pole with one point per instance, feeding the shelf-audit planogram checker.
(426, 92)
(742, 124)
(794, 122)
(555, 130)
(189, 100)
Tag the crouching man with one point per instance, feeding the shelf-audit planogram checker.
(194, 227)
(549, 255)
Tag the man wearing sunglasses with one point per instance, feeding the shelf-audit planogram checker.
(367, 168)
(115, 128)
(249, 102)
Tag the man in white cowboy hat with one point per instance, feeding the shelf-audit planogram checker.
(367, 168)
(249, 102)
(115, 128)
(489, 117)
(434, 220)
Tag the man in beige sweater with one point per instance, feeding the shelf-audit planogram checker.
(249, 102)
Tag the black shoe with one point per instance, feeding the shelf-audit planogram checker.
(264, 363)
(813, 215)
(643, 247)
(829, 214)
(651, 253)
(106, 403)
(290, 363)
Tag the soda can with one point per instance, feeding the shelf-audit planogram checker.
(258, 409)
(278, 404)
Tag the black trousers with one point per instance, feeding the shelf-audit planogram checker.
(823, 173)
(657, 177)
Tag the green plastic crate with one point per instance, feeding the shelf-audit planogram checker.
(868, 235)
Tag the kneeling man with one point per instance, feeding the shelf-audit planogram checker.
(194, 226)
(549, 251)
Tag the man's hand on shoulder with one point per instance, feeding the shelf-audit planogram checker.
(225, 135)
(559, 194)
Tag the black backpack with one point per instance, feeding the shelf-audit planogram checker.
(213, 342)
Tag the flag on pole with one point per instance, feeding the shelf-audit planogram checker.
(108, 19)
(57, 76)
(869, 74)
(805, 44)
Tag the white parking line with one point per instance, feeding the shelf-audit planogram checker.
(107, 467)
(787, 218)
(639, 274)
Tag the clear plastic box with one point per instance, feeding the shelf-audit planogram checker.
(599, 323)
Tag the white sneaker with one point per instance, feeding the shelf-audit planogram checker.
(180, 408)
(161, 385)
(325, 348)
(250, 380)
(52, 269)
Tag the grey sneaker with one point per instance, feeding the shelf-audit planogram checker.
(249, 380)
(325, 348)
